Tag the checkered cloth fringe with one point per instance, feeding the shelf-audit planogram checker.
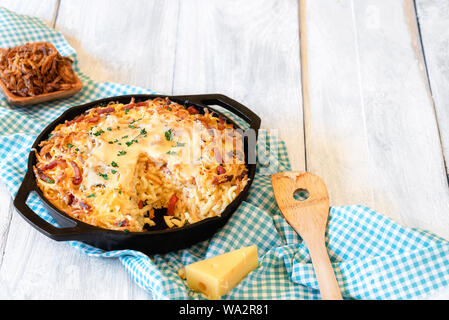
(373, 257)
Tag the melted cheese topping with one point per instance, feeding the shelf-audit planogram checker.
(116, 164)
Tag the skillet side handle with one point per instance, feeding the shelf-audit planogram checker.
(229, 104)
(58, 234)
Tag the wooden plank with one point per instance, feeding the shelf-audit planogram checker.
(433, 17)
(121, 42)
(46, 10)
(5, 218)
(370, 128)
(248, 50)
(34, 266)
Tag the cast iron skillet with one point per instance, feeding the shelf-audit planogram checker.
(149, 242)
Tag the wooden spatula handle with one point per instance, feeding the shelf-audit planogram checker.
(324, 272)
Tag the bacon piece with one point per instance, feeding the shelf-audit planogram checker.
(182, 114)
(106, 110)
(77, 179)
(221, 179)
(193, 110)
(44, 177)
(129, 106)
(50, 165)
(171, 205)
(93, 119)
(76, 120)
(123, 223)
(165, 169)
(68, 198)
(221, 170)
(140, 204)
(53, 164)
(133, 105)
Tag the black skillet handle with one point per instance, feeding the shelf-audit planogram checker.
(229, 104)
(58, 234)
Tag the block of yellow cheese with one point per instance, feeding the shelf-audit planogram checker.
(215, 276)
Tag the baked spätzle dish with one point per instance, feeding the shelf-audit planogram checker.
(115, 164)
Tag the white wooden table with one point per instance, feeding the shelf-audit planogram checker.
(357, 89)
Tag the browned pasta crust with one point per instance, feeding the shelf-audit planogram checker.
(114, 165)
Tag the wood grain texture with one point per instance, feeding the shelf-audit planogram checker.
(33, 266)
(119, 42)
(36, 267)
(371, 133)
(248, 50)
(433, 17)
(46, 10)
(5, 218)
(371, 130)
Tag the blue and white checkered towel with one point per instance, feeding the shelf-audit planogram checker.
(373, 257)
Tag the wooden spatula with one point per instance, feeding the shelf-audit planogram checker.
(309, 219)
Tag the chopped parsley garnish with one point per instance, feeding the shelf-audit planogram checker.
(168, 135)
(121, 153)
(129, 143)
(124, 137)
(114, 164)
(111, 142)
(69, 145)
(109, 129)
(98, 132)
(132, 126)
(143, 131)
(172, 152)
(113, 171)
(126, 111)
(91, 195)
(103, 175)
(135, 120)
(180, 144)
(77, 149)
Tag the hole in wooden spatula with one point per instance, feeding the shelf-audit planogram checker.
(301, 194)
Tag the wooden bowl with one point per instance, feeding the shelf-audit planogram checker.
(26, 101)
